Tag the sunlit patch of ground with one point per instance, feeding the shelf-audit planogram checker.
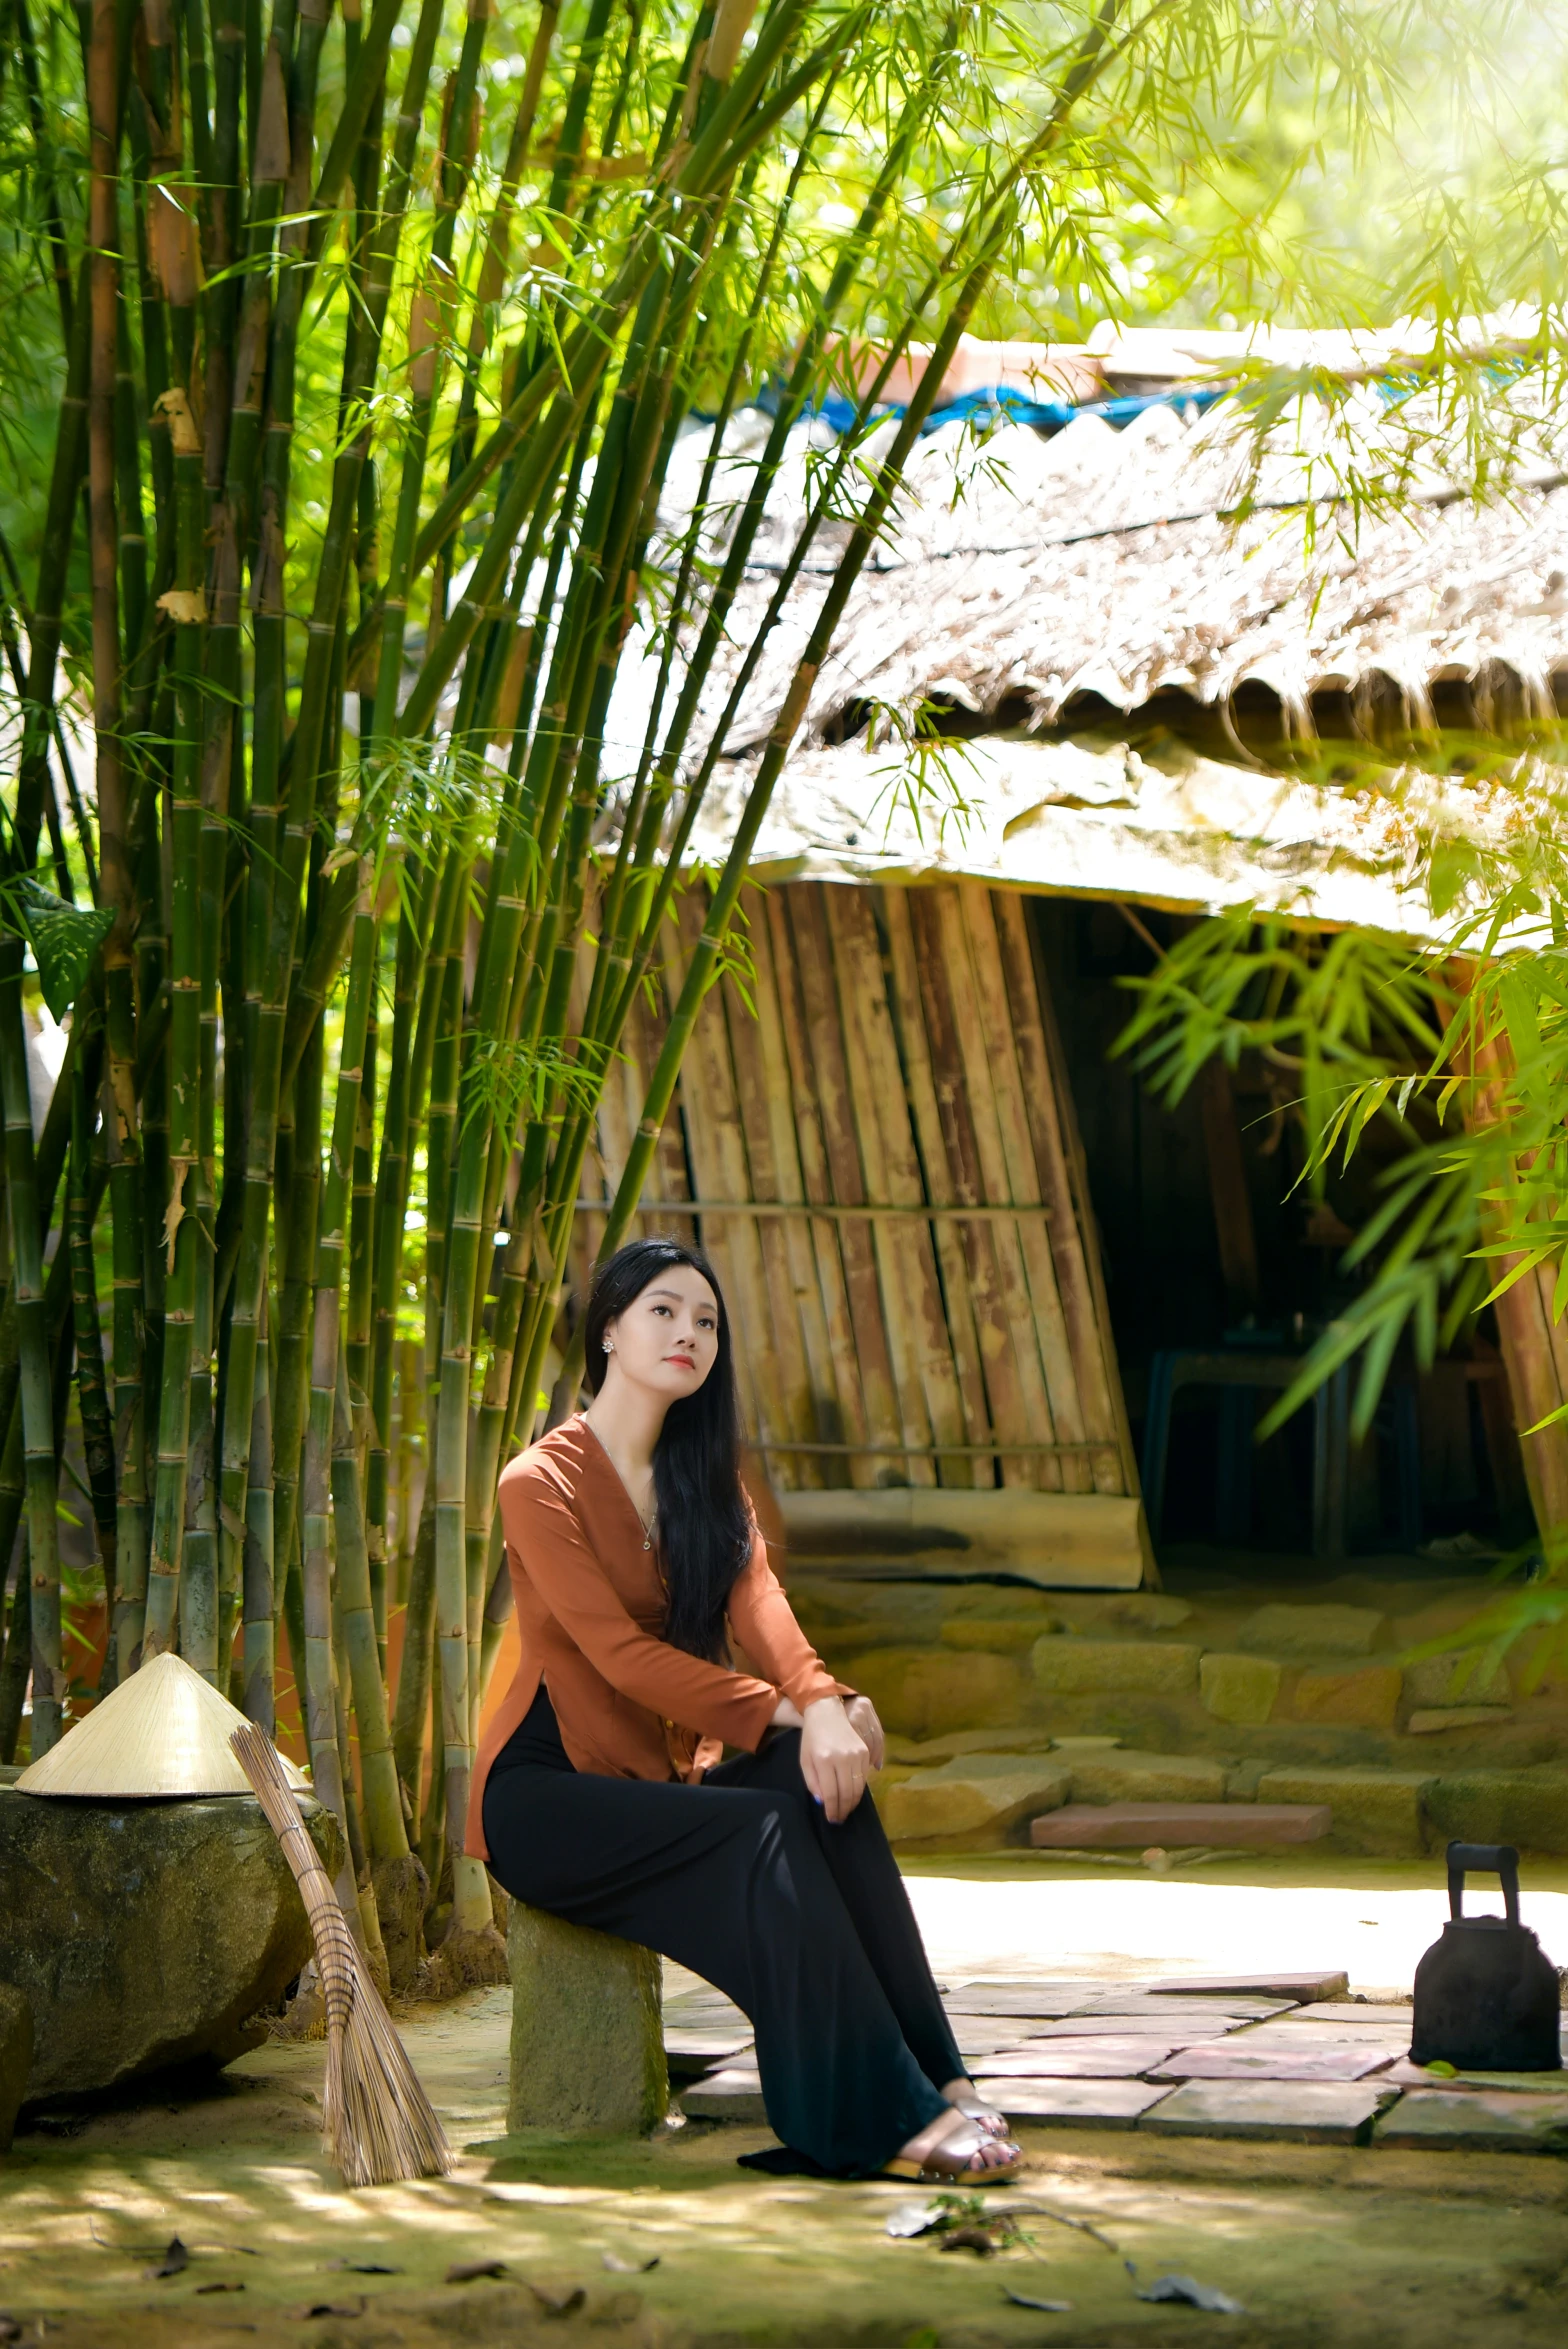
(1351, 2247)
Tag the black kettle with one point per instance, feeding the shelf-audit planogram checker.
(1486, 1995)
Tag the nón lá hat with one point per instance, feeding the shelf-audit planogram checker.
(163, 1732)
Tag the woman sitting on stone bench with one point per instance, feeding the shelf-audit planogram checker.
(599, 1793)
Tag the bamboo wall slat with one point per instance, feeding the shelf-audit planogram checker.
(1017, 1303)
(1064, 1184)
(762, 1087)
(911, 1299)
(1007, 1348)
(843, 1413)
(897, 1050)
(1021, 1176)
(821, 1070)
(954, 1242)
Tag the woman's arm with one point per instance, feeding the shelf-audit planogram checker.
(763, 1620)
(841, 1737)
(542, 1528)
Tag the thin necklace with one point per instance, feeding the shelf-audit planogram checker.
(647, 1523)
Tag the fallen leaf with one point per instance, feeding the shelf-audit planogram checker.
(1192, 2294)
(10, 2330)
(970, 2239)
(629, 2267)
(174, 2262)
(218, 2288)
(361, 2267)
(915, 2218)
(328, 2308)
(1046, 2307)
(469, 2271)
(558, 2303)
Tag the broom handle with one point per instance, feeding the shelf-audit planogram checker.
(258, 1758)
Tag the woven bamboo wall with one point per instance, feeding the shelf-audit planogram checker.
(897, 1055)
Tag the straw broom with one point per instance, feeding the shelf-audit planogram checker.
(378, 2125)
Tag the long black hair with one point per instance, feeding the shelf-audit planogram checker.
(704, 1532)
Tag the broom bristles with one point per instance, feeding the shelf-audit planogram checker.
(378, 2125)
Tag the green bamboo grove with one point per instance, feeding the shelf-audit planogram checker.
(375, 333)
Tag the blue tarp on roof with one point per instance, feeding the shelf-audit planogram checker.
(1044, 415)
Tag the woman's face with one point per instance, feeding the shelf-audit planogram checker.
(666, 1340)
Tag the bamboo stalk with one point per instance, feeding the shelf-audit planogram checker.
(92, 1391)
(260, 1596)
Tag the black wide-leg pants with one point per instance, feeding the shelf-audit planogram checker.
(807, 1926)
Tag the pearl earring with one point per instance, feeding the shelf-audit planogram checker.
(609, 1349)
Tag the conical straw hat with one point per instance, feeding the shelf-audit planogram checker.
(164, 1731)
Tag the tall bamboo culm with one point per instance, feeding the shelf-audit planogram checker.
(382, 342)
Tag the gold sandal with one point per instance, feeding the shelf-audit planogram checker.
(933, 2171)
(985, 2116)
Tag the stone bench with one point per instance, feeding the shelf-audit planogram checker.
(587, 2030)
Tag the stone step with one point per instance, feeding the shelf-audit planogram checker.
(1296, 1989)
(1129, 1826)
(1320, 2112)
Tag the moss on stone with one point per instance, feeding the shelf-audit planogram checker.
(1092, 1667)
(146, 1934)
(1239, 1689)
(587, 2030)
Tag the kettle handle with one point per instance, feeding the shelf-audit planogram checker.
(1487, 1859)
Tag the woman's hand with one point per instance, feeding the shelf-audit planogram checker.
(862, 1716)
(834, 1759)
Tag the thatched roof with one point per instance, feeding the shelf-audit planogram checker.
(1026, 573)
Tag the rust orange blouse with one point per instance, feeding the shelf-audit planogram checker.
(590, 1606)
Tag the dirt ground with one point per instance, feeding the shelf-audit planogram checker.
(1336, 2247)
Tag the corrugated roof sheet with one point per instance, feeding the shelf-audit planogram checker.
(1165, 827)
(1114, 563)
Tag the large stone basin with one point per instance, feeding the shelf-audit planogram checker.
(146, 1934)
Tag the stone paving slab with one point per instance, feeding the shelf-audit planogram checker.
(696, 2051)
(1352, 2010)
(1287, 2032)
(1469, 2120)
(1156, 2026)
(1246, 2010)
(1311, 2112)
(1075, 2059)
(982, 2046)
(1282, 2055)
(1048, 2002)
(1076, 2104)
(1297, 1989)
(1236, 2059)
(734, 2095)
(1118, 1826)
(1405, 2074)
